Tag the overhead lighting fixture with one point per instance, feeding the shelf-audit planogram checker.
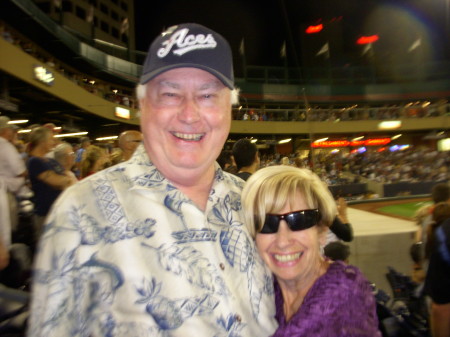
(357, 138)
(283, 141)
(389, 125)
(24, 131)
(74, 134)
(19, 121)
(107, 138)
(253, 141)
(321, 140)
(396, 136)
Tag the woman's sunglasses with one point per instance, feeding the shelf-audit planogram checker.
(297, 221)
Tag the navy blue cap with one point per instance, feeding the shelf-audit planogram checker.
(190, 45)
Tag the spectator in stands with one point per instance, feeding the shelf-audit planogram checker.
(48, 178)
(337, 251)
(156, 245)
(226, 162)
(65, 155)
(84, 143)
(285, 161)
(128, 142)
(288, 210)
(12, 178)
(340, 229)
(246, 157)
(95, 159)
(437, 282)
(439, 193)
(441, 212)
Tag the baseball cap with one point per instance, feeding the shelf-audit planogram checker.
(193, 46)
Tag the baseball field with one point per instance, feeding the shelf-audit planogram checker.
(403, 209)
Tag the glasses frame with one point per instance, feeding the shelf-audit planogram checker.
(296, 221)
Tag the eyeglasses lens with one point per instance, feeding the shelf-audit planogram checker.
(297, 221)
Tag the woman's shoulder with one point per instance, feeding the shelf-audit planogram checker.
(345, 274)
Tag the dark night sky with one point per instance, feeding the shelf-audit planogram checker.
(266, 24)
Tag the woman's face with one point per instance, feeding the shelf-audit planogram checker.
(293, 256)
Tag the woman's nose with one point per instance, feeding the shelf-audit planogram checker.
(284, 234)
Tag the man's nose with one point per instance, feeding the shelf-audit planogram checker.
(189, 112)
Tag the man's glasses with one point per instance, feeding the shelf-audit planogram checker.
(297, 221)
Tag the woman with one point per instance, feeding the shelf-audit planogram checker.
(288, 210)
(94, 160)
(48, 178)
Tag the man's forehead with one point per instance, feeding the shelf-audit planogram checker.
(177, 78)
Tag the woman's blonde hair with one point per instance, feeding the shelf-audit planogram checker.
(90, 157)
(37, 136)
(268, 190)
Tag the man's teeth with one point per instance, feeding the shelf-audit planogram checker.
(189, 136)
(287, 258)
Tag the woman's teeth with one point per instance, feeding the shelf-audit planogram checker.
(288, 257)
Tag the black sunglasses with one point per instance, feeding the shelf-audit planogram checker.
(297, 221)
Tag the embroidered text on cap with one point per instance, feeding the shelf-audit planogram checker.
(186, 43)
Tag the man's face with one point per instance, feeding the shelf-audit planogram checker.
(186, 117)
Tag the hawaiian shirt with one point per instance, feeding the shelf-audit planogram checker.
(125, 253)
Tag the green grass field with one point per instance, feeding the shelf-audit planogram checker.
(406, 210)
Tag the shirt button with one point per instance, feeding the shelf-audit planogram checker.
(222, 266)
(238, 318)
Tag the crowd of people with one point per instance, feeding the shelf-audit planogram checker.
(39, 166)
(166, 242)
(412, 164)
(347, 113)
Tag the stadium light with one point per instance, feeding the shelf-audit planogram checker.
(367, 39)
(314, 29)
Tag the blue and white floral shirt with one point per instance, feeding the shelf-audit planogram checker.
(125, 253)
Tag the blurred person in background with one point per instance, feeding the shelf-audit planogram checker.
(85, 142)
(12, 179)
(48, 178)
(65, 155)
(437, 281)
(94, 159)
(289, 210)
(128, 142)
(246, 157)
(226, 161)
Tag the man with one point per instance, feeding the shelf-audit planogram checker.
(64, 154)
(84, 144)
(246, 156)
(437, 282)
(423, 216)
(128, 143)
(155, 246)
(12, 173)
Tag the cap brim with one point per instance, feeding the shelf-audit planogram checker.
(149, 76)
